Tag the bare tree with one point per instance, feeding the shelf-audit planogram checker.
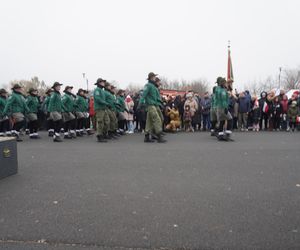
(133, 88)
(199, 85)
(291, 78)
(33, 83)
(257, 87)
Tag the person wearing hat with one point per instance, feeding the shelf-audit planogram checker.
(68, 101)
(112, 125)
(81, 107)
(33, 105)
(100, 106)
(4, 121)
(222, 104)
(50, 125)
(151, 99)
(55, 109)
(17, 108)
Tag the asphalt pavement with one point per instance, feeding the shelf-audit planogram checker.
(190, 193)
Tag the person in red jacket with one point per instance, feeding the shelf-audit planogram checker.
(92, 113)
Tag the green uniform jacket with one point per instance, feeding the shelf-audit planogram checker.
(99, 99)
(159, 101)
(68, 102)
(46, 104)
(16, 104)
(55, 103)
(221, 98)
(3, 102)
(213, 103)
(120, 104)
(111, 100)
(81, 104)
(150, 95)
(32, 103)
(292, 113)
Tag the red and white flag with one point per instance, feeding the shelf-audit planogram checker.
(230, 77)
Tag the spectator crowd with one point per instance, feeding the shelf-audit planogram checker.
(30, 112)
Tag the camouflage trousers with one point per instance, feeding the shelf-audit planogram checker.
(102, 120)
(154, 120)
(113, 121)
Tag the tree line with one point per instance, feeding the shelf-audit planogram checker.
(290, 79)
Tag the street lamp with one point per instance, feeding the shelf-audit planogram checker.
(280, 69)
(87, 81)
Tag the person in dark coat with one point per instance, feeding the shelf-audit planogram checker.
(264, 115)
(244, 108)
(205, 104)
(277, 113)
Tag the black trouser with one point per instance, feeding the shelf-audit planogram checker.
(70, 125)
(87, 123)
(234, 123)
(4, 126)
(292, 125)
(264, 117)
(18, 125)
(58, 125)
(121, 124)
(33, 126)
(80, 123)
(50, 124)
(276, 122)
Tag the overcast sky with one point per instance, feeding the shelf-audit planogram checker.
(123, 40)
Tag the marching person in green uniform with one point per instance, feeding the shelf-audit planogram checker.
(55, 109)
(221, 103)
(50, 125)
(81, 106)
(100, 106)
(151, 98)
(17, 108)
(4, 121)
(111, 111)
(33, 105)
(121, 108)
(68, 101)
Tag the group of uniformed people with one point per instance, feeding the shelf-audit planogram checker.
(67, 113)
(108, 105)
(70, 113)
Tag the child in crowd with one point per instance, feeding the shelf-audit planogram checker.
(256, 114)
(292, 114)
(187, 118)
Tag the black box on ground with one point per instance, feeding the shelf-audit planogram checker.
(8, 156)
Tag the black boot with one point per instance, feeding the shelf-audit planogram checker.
(160, 138)
(147, 138)
(107, 137)
(112, 136)
(100, 138)
(90, 132)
